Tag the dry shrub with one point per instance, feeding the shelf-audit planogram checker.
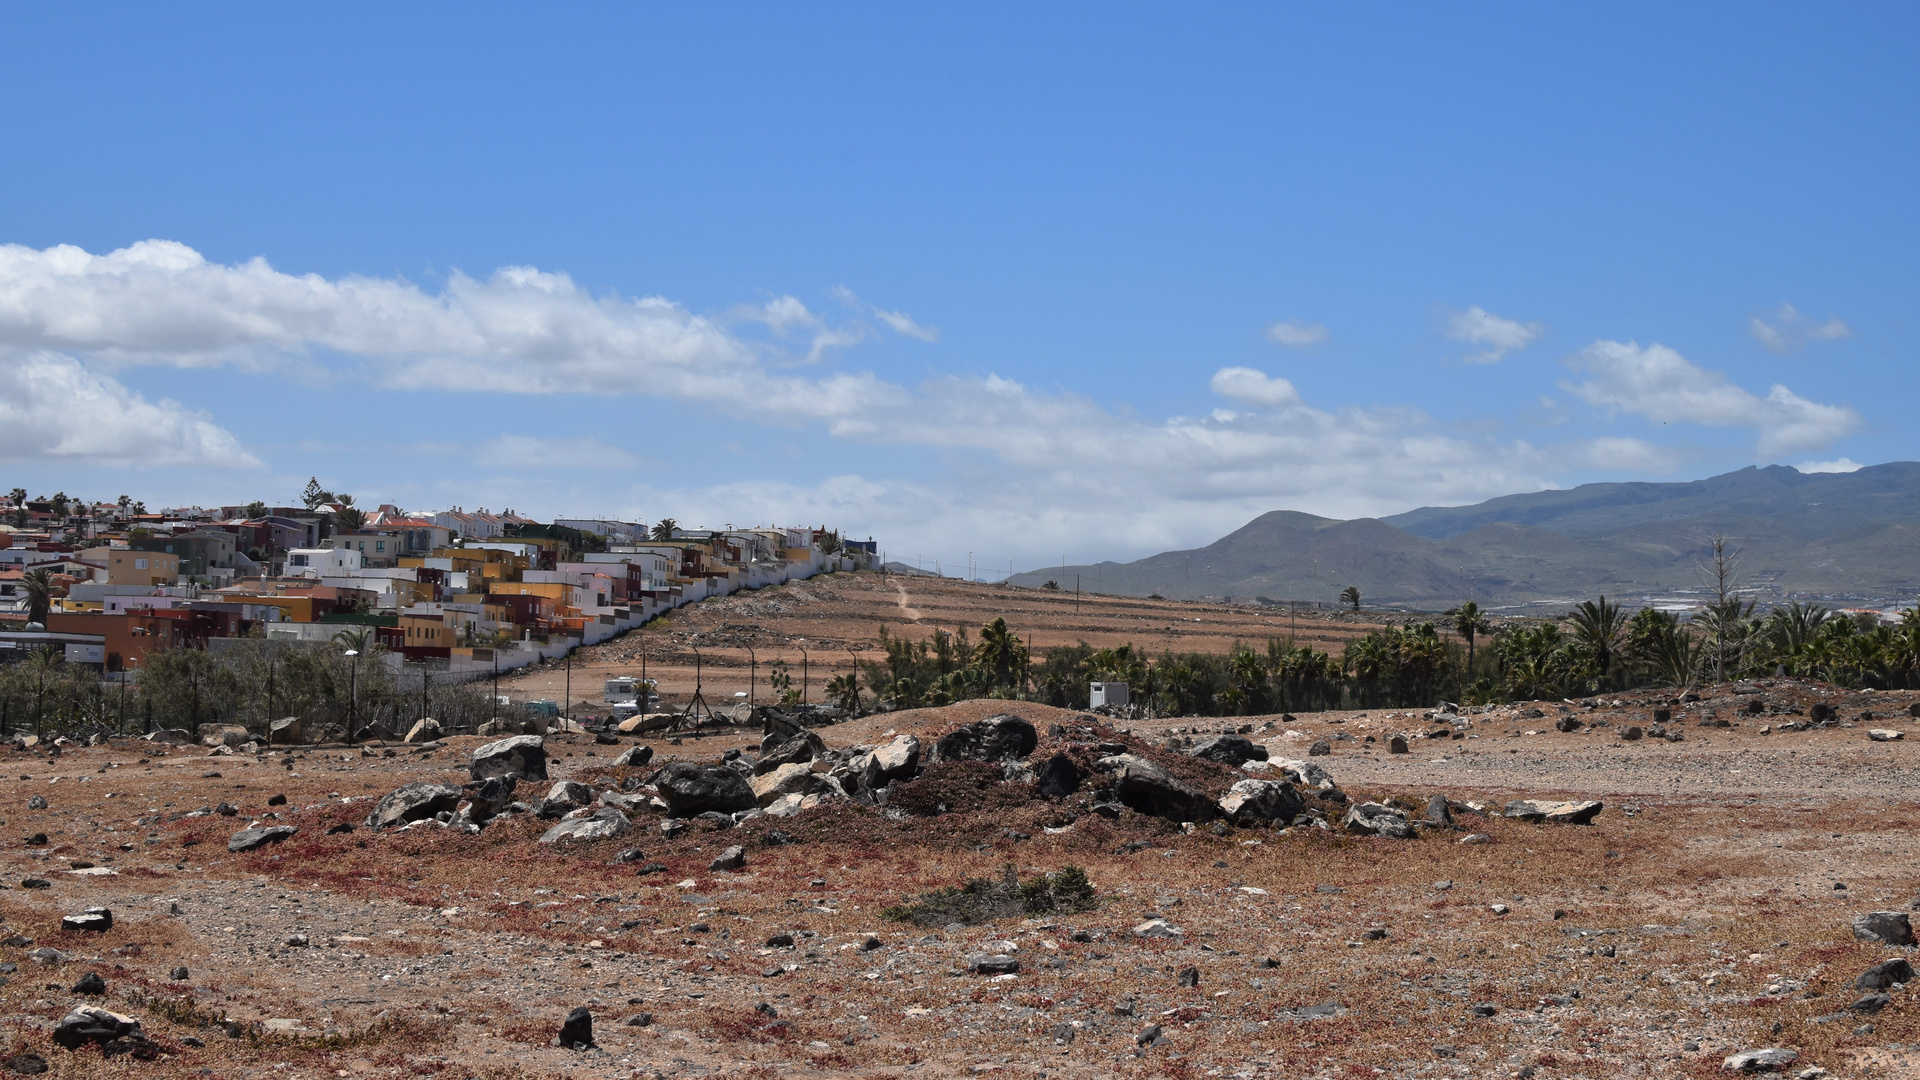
(960, 787)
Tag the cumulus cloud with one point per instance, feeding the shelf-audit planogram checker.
(1296, 335)
(1790, 331)
(527, 452)
(53, 409)
(1839, 465)
(520, 330)
(1253, 387)
(1478, 326)
(1658, 383)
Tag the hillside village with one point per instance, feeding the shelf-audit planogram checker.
(459, 592)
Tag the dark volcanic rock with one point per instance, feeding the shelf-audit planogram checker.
(1890, 927)
(93, 920)
(691, 789)
(577, 1032)
(412, 802)
(523, 757)
(996, 738)
(1058, 778)
(1228, 749)
(256, 838)
(1150, 789)
(1884, 974)
(87, 1024)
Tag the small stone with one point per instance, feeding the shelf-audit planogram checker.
(732, 858)
(1157, 928)
(35, 883)
(256, 838)
(1190, 976)
(1884, 974)
(997, 964)
(1374, 933)
(1885, 734)
(1871, 1003)
(1484, 1010)
(1498, 909)
(24, 1063)
(577, 1032)
(1151, 1036)
(87, 1024)
(1063, 1033)
(1771, 1059)
(93, 920)
(1320, 748)
(37, 802)
(341, 829)
(178, 974)
(1397, 744)
(1888, 927)
(640, 1019)
(91, 984)
(277, 800)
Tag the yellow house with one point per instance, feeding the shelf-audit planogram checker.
(427, 631)
(126, 567)
(562, 594)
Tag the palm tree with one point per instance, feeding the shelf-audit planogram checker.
(39, 586)
(1469, 623)
(1602, 628)
(844, 691)
(1351, 595)
(1000, 649)
(664, 530)
(353, 639)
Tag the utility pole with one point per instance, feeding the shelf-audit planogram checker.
(803, 674)
(1076, 594)
(567, 711)
(753, 673)
(353, 695)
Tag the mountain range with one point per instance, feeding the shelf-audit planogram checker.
(1840, 537)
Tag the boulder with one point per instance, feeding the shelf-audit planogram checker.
(1249, 802)
(287, 729)
(691, 789)
(488, 798)
(996, 738)
(224, 735)
(997, 964)
(635, 757)
(1374, 819)
(732, 858)
(36, 802)
(94, 920)
(1228, 749)
(171, 737)
(629, 804)
(1884, 974)
(256, 838)
(426, 729)
(1632, 733)
(564, 796)
(91, 984)
(602, 823)
(523, 757)
(1306, 774)
(1158, 928)
(1058, 778)
(87, 1024)
(1567, 724)
(898, 759)
(1885, 734)
(1320, 748)
(1558, 813)
(792, 779)
(1397, 744)
(497, 727)
(1438, 815)
(412, 802)
(1871, 1003)
(1150, 789)
(577, 1032)
(1888, 927)
(1771, 1059)
(801, 749)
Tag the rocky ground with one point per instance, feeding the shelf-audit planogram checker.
(1708, 908)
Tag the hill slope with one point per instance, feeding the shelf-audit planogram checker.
(1846, 534)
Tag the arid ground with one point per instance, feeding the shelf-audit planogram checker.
(838, 617)
(1706, 910)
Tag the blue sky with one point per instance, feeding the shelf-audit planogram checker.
(1093, 281)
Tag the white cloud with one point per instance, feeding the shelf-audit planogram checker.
(1841, 465)
(526, 452)
(1253, 387)
(901, 322)
(1791, 330)
(52, 409)
(1658, 383)
(1296, 335)
(1478, 326)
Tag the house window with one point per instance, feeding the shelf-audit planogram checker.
(139, 564)
(379, 545)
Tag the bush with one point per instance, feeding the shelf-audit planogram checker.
(983, 900)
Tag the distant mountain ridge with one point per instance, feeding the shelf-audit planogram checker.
(1836, 535)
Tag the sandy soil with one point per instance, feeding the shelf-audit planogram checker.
(1700, 914)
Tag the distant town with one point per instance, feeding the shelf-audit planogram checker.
(112, 584)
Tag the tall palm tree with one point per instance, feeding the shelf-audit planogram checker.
(1351, 595)
(664, 530)
(1000, 649)
(39, 586)
(1469, 623)
(1602, 628)
(354, 639)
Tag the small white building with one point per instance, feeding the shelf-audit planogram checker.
(324, 562)
(1107, 693)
